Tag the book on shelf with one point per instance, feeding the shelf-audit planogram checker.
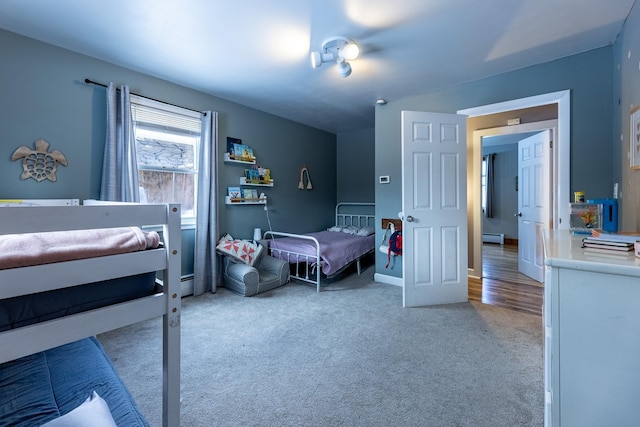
(249, 194)
(252, 175)
(258, 175)
(234, 192)
(231, 143)
(243, 152)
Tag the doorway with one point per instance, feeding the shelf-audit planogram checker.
(512, 186)
(507, 247)
(559, 175)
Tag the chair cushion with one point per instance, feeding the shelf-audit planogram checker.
(247, 281)
(245, 251)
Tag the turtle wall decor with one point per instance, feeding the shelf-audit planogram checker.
(39, 164)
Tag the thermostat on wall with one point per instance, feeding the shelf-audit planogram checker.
(384, 179)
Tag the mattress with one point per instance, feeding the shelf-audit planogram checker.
(21, 250)
(33, 308)
(41, 387)
(336, 249)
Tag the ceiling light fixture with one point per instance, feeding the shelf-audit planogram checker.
(337, 49)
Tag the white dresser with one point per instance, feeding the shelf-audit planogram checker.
(592, 335)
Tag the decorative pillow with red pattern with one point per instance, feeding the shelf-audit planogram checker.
(245, 251)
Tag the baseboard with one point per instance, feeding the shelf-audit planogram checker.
(186, 285)
(389, 280)
(508, 241)
(493, 238)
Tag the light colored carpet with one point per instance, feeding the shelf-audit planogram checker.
(348, 356)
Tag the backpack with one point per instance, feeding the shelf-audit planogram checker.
(395, 246)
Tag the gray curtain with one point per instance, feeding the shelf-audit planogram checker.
(490, 185)
(120, 168)
(205, 269)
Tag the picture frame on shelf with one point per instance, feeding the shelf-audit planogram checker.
(634, 137)
(249, 194)
(234, 192)
(243, 152)
(257, 175)
(231, 143)
(252, 175)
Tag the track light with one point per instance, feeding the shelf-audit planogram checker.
(337, 49)
(344, 68)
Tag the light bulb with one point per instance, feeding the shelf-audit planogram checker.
(351, 51)
(316, 59)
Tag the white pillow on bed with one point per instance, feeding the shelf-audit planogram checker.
(350, 229)
(94, 412)
(365, 231)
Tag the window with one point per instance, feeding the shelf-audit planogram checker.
(483, 184)
(167, 140)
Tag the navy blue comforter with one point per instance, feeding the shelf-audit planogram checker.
(38, 388)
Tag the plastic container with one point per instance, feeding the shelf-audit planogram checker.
(583, 217)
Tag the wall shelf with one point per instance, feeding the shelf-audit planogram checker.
(243, 181)
(228, 159)
(260, 201)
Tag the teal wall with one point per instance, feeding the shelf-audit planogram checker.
(43, 96)
(589, 77)
(355, 167)
(626, 68)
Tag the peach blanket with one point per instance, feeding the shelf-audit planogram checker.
(22, 250)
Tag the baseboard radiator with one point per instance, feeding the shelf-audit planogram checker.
(493, 238)
(186, 285)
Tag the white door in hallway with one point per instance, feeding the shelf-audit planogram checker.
(434, 203)
(533, 202)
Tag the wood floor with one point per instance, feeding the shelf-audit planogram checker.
(502, 284)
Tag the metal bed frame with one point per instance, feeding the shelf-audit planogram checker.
(306, 270)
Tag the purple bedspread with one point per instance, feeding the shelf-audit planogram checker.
(336, 249)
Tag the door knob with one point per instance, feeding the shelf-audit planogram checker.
(410, 218)
(518, 214)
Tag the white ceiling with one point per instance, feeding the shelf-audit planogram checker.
(256, 52)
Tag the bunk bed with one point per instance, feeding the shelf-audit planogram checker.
(327, 253)
(51, 364)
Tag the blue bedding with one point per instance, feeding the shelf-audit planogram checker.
(33, 308)
(43, 386)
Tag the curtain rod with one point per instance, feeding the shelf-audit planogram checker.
(91, 82)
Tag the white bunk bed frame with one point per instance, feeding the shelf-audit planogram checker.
(16, 343)
(308, 273)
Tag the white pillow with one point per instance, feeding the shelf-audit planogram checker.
(350, 229)
(365, 231)
(335, 228)
(94, 412)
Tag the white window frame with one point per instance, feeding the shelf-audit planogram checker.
(483, 184)
(182, 115)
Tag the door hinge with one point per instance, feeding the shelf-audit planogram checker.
(551, 143)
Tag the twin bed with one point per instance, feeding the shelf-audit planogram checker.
(338, 247)
(51, 365)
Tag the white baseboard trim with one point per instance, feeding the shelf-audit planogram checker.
(186, 285)
(389, 280)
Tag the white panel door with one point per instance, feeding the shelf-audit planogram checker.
(533, 203)
(434, 203)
